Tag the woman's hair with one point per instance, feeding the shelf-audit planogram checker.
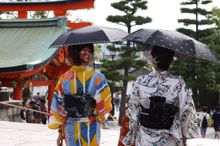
(74, 52)
(162, 57)
(204, 109)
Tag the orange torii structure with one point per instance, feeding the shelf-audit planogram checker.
(59, 7)
(42, 70)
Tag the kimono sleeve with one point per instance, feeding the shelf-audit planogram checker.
(102, 96)
(188, 116)
(133, 114)
(56, 110)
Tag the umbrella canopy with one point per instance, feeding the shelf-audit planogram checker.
(89, 35)
(182, 44)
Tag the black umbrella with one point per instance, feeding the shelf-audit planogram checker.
(89, 35)
(182, 44)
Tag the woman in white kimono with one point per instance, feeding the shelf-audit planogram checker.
(161, 110)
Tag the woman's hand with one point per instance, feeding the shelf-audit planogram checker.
(60, 139)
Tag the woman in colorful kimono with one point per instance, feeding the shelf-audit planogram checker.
(161, 110)
(81, 99)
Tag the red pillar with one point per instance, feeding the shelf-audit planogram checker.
(22, 14)
(58, 13)
(17, 93)
(51, 89)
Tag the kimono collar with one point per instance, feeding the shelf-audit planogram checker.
(79, 68)
(160, 74)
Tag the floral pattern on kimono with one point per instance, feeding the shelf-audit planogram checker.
(174, 89)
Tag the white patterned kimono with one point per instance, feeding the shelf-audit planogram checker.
(174, 89)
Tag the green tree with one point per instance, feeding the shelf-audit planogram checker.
(128, 58)
(98, 52)
(109, 69)
(199, 19)
(213, 42)
(215, 17)
(198, 75)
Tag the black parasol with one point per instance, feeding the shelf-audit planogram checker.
(89, 35)
(182, 44)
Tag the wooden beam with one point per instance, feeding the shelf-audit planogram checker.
(42, 83)
(78, 25)
(21, 75)
(48, 7)
(6, 83)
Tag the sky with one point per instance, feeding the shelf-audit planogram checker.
(164, 14)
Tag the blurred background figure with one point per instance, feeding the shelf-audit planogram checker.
(203, 119)
(43, 107)
(37, 97)
(216, 122)
(117, 102)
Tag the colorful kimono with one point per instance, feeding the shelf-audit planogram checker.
(174, 89)
(80, 131)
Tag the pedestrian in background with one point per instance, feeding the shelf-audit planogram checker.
(117, 102)
(216, 122)
(203, 118)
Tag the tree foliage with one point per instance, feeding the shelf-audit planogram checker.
(200, 76)
(127, 55)
(129, 8)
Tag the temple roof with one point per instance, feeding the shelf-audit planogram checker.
(24, 43)
(36, 2)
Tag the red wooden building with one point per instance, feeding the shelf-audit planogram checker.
(25, 59)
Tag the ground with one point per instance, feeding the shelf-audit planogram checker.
(23, 134)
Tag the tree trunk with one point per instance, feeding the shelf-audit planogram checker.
(197, 23)
(194, 75)
(123, 96)
(195, 87)
(125, 84)
(113, 106)
(129, 29)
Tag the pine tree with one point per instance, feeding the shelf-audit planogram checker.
(128, 58)
(109, 69)
(197, 74)
(200, 19)
(213, 42)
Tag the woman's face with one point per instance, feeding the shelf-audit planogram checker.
(87, 55)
